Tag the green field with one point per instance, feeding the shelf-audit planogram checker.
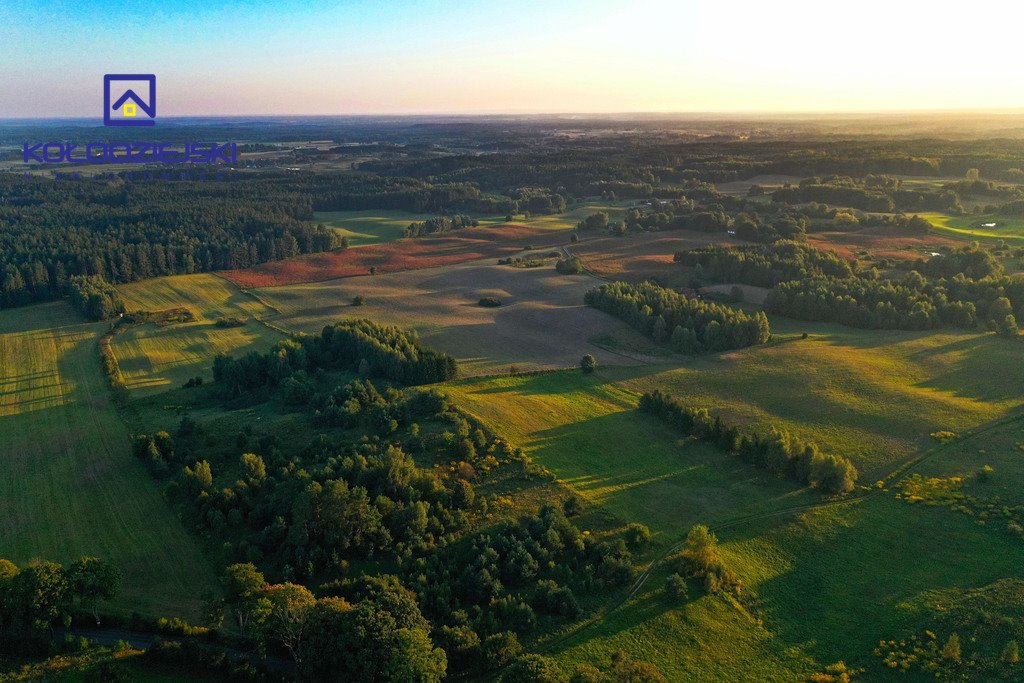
(822, 586)
(69, 485)
(973, 227)
(153, 357)
(368, 227)
(586, 430)
(377, 226)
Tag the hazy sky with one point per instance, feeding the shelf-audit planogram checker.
(516, 56)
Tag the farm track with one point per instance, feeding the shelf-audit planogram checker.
(893, 477)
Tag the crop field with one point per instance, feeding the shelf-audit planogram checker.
(768, 182)
(541, 323)
(154, 356)
(977, 227)
(380, 236)
(407, 254)
(638, 257)
(68, 483)
(879, 243)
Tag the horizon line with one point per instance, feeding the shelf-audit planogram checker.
(731, 113)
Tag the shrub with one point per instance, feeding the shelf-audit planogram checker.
(490, 302)
(358, 300)
(676, 588)
(571, 265)
(637, 535)
(588, 364)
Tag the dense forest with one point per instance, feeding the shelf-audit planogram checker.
(51, 231)
(963, 287)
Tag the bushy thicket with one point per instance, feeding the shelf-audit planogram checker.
(363, 345)
(306, 515)
(332, 501)
(96, 298)
(778, 452)
(514, 578)
(688, 325)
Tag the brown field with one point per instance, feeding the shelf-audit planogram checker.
(542, 323)
(880, 242)
(648, 255)
(768, 182)
(405, 254)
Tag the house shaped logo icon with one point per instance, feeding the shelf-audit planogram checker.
(129, 99)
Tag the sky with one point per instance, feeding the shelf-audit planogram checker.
(279, 57)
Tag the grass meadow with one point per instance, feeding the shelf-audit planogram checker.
(821, 585)
(68, 483)
(973, 227)
(368, 227)
(154, 357)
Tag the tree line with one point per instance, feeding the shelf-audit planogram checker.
(688, 325)
(440, 224)
(858, 194)
(39, 596)
(777, 452)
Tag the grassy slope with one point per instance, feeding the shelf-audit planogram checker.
(68, 484)
(368, 227)
(874, 396)
(153, 357)
(824, 582)
(963, 227)
(587, 431)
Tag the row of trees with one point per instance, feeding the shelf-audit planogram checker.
(440, 224)
(910, 303)
(688, 325)
(966, 288)
(357, 345)
(778, 452)
(41, 595)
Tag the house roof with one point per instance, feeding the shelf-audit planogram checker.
(138, 100)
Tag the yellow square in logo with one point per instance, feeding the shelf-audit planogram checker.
(128, 110)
